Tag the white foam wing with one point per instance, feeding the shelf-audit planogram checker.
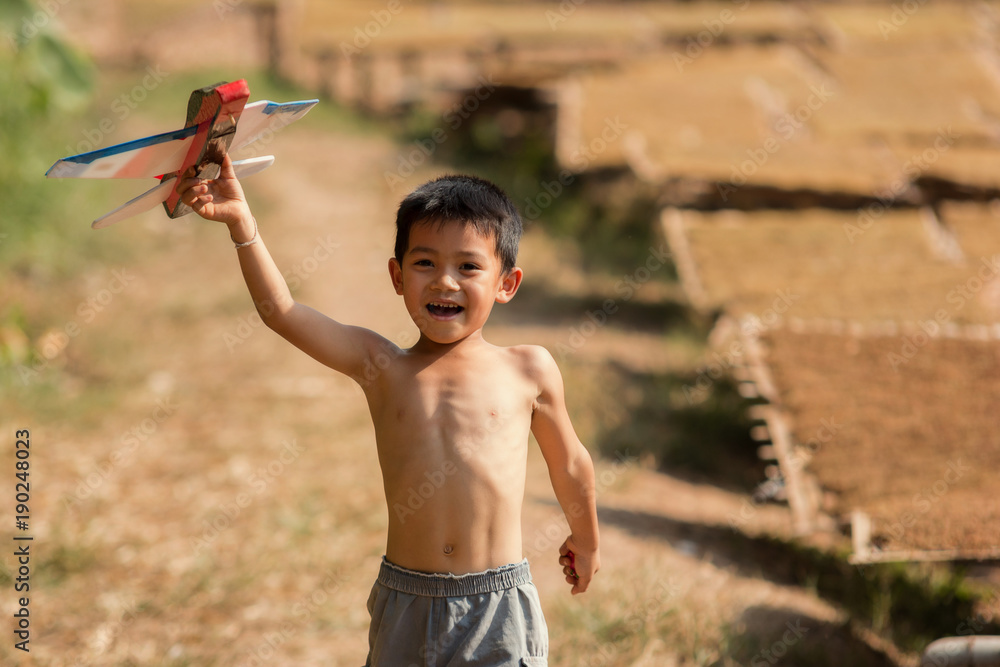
(162, 190)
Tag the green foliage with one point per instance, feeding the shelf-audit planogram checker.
(39, 74)
(611, 216)
(41, 78)
(909, 603)
(789, 638)
(705, 435)
(64, 561)
(44, 73)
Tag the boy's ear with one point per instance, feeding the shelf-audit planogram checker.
(396, 274)
(509, 284)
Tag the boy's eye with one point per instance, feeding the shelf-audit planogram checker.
(423, 262)
(469, 267)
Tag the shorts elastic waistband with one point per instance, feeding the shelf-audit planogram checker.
(502, 578)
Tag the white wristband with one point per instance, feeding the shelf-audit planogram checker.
(251, 241)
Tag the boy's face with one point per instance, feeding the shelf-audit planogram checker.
(449, 279)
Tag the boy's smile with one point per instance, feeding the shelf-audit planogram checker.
(444, 310)
(449, 278)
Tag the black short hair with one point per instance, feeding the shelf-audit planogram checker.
(467, 200)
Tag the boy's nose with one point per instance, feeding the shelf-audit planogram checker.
(444, 281)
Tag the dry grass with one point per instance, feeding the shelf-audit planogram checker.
(927, 483)
(976, 227)
(880, 96)
(866, 26)
(889, 272)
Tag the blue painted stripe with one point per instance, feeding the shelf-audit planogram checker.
(117, 149)
(287, 107)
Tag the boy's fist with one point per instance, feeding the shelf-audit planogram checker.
(579, 565)
(220, 199)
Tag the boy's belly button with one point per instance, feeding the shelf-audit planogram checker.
(448, 549)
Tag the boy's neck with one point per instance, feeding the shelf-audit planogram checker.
(425, 345)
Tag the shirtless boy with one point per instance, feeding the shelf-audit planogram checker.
(453, 587)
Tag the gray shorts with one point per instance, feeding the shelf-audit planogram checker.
(486, 619)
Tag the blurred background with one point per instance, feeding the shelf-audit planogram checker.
(762, 242)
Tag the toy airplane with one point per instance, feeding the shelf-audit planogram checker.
(218, 121)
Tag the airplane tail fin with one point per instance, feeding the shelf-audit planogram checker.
(162, 190)
(261, 119)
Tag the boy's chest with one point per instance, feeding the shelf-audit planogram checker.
(461, 399)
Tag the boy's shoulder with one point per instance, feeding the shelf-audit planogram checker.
(534, 361)
(530, 353)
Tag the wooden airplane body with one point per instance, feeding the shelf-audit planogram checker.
(218, 121)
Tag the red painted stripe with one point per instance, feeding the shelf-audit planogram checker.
(230, 92)
(225, 100)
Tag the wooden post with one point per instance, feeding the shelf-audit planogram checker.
(672, 221)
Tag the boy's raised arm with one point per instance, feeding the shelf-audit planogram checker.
(571, 470)
(341, 347)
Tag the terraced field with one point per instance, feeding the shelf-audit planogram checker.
(912, 440)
